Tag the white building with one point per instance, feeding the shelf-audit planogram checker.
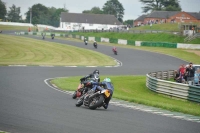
(79, 21)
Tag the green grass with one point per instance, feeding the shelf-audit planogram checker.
(21, 50)
(154, 37)
(161, 27)
(17, 28)
(133, 89)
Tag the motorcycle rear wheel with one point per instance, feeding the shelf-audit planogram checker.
(95, 104)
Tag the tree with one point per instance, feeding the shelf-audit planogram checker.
(114, 7)
(172, 5)
(40, 14)
(55, 15)
(94, 10)
(128, 22)
(3, 10)
(14, 14)
(160, 5)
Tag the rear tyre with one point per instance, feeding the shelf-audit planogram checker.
(96, 102)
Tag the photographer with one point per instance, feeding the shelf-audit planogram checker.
(190, 70)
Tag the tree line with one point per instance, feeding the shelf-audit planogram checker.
(51, 15)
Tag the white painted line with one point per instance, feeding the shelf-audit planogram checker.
(167, 114)
(45, 66)
(71, 66)
(108, 66)
(91, 66)
(158, 112)
(18, 65)
(178, 116)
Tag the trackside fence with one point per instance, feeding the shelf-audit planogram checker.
(156, 81)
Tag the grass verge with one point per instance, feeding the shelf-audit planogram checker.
(153, 37)
(133, 89)
(21, 50)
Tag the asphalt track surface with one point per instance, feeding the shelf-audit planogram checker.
(28, 105)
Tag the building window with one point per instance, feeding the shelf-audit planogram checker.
(90, 24)
(67, 23)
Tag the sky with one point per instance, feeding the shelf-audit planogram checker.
(132, 7)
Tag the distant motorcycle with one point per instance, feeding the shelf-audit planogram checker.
(114, 50)
(94, 100)
(52, 36)
(95, 45)
(1, 31)
(86, 42)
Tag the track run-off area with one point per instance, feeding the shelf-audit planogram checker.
(28, 105)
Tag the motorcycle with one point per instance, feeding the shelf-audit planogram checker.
(52, 36)
(86, 42)
(82, 89)
(95, 45)
(115, 51)
(94, 100)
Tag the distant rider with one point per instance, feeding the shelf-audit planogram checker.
(106, 84)
(114, 49)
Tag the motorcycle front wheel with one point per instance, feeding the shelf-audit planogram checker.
(79, 102)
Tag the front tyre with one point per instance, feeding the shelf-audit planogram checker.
(74, 95)
(96, 102)
(79, 102)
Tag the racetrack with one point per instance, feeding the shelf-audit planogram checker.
(28, 105)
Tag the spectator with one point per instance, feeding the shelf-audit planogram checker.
(197, 77)
(190, 70)
(182, 69)
(176, 75)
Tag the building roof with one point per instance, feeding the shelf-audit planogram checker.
(141, 18)
(195, 14)
(162, 14)
(89, 18)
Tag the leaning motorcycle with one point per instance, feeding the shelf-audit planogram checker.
(94, 100)
(115, 52)
(95, 45)
(82, 89)
(86, 42)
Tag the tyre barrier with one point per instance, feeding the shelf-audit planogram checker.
(157, 82)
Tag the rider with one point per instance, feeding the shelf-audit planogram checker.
(107, 84)
(94, 76)
(85, 39)
(114, 49)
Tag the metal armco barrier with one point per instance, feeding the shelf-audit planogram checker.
(155, 82)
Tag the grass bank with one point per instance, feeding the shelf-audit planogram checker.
(153, 37)
(133, 89)
(21, 50)
(161, 27)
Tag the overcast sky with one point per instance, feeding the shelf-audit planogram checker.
(132, 7)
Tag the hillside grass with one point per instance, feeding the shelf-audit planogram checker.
(152, 37)
(133, 89)
(160, 27)
(16, 50)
